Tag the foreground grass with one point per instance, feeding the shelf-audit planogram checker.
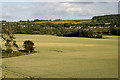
(65, 57)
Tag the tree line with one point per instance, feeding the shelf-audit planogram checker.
(31, 27)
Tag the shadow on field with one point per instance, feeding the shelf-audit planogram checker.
(6, 54)
(58, 51)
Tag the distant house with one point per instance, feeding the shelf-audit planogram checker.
(91, 27)
(24, 25)
(4, 24)
(78, 27)
(71, 27)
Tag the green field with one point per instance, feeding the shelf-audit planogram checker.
(65, 57)
(67, 21)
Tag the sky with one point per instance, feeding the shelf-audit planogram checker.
(59, 0)
(60, 9)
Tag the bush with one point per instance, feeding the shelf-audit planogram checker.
(97, 36)
(90, 36)
(9, 50)
(6, 54)
(113, 31)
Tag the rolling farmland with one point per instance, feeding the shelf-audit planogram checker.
(64, 57)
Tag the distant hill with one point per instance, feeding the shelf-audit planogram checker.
(107, 19)
(101, 20)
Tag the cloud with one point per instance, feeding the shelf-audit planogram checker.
(6, 15)
(13, 11)
(63, 10)
(74, 9)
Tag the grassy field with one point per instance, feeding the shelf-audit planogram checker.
(65, 57)
(67, 21)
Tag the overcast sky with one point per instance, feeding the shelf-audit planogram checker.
(60, 0)
(15, 11)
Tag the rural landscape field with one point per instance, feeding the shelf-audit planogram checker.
(59, 40)
(64, 57)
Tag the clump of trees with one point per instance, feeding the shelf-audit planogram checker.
(83, 33)
(9, 38)
(10, 43)
(115, 31)
(29, 46)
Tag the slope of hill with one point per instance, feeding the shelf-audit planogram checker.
(106, 19)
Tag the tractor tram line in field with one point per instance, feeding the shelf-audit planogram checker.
(20, 75)
(7, 70)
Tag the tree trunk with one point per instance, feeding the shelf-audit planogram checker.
(11, 46)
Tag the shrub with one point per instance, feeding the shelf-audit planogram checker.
(9, 50)
(113, 31)
(6, 54)
(97, 36)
